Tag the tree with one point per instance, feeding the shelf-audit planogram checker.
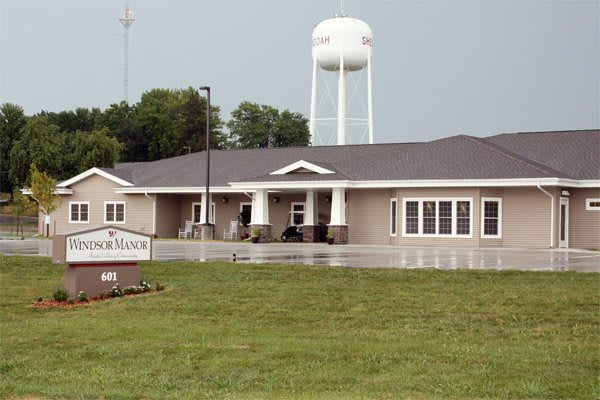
(21, 205)
(119, 119)
(39, 143)
(43, 191)
(255, 126)
(95, 149)
(81, 119)
(12, 120)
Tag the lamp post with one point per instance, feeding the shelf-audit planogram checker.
(208, 205)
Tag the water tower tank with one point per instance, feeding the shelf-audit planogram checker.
(345, 36)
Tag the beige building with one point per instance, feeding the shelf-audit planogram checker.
(533, 190)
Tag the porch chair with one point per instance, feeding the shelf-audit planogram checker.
(232, 233)
(186, 233)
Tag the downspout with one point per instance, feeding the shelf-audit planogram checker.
(153, 211)
(551, 214)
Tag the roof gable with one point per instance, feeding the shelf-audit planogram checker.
(94, 171)
(302, 167)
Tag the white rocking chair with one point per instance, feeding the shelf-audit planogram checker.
(186, 233)
(232, 233)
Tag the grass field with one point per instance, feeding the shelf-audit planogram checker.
(241, 331)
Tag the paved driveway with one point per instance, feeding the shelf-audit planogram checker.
(354, 255)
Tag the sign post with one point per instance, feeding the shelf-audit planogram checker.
(97, 259)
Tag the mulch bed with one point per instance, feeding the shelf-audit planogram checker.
(77, 303)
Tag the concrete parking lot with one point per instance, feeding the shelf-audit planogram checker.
(353, 255)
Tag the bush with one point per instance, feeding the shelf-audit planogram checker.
(132, 289)
(116, 291)
(82, 296)
(60, 294)
(145, 286)
(159, 286)
(104, 294)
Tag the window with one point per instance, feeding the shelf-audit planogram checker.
(592, 204)
(197, 210)
(491, 217)
(79, 212)
(444, 217)
(463, 218)
(114, 212)
(297, 214)
(393, 216)
(412, 217)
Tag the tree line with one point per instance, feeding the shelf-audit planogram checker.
(164, 123)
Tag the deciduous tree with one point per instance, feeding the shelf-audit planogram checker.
(12, 120)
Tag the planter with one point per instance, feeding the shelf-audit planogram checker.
(254, 239)
(329, 240)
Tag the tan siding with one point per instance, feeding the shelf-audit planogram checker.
(279, 213)
(167, 215)
(526, 218)
(584, 226)
(369, 216)
(97, 190)
(439, 193)
(227, 212)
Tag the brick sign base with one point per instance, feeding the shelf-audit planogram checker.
(93, 279)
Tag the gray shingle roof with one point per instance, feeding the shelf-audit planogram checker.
(572, 154)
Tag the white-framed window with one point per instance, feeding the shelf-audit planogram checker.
(114, 212)
(79, 212)
(297, 213)
(393, 216)
(592, 204)
(197, 210)
(491, 217)
(437, 217)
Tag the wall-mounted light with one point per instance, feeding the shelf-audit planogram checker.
(564, 193)
(276, 199)
(225, 200)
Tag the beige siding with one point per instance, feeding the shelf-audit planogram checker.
(433, 194)
(368, 214)
(584, 225)
(97, 190)
(526, 218)
(167, 215)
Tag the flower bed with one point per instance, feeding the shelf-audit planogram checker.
(61, 300)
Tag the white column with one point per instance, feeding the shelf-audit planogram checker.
(260, 207)
(203, 206)
(313, 105)
(338, 206)
(370, 101)
(311, 209)
(341, 131)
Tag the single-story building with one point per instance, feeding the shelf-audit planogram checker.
(534, 190)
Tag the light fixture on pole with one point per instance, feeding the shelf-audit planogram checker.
(208, 205)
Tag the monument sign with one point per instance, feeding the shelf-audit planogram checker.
(99, 258)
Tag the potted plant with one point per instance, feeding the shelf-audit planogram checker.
(329, 236)
(255, 234)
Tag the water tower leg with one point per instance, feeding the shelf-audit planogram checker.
(370, 101)
(341, 133)
(313, 105)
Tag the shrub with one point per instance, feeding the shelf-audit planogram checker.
(132, 289)
(60, 294)
(255, 232)
(104, 294)
(82, 296)
(159, 286)
(329, 233)
(116, 291)
(145, 286)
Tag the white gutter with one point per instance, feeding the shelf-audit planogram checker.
(153, 212)
(551, 214)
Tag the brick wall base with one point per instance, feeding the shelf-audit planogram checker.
(265, 233)
(340, 234)
(207, 232)
(311, 233)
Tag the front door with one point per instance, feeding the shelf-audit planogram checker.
(563, 239)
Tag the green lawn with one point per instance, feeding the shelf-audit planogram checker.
(240, 331)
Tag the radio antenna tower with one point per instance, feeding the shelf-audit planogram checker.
(126, 20)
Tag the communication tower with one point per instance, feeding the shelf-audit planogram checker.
(341, 45)
(126, 20)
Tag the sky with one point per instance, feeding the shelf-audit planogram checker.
(440, 67)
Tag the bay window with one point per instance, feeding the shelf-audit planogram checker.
(443, 217)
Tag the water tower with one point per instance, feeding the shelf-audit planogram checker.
(341, 45)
